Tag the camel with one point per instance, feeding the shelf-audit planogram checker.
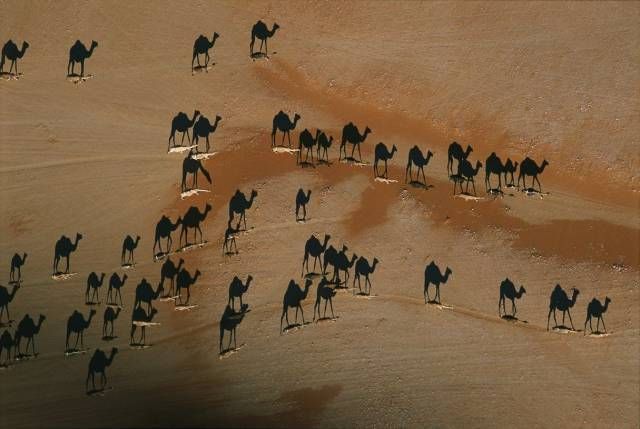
(560, 301)
(301, 201)
(432, 275)
(202, 46)
(28, 329)
(418, 159)
(493, 165)
(309, 142)
(185, 281)
(164, 227)
(229, 322)
(239, 204)
(342, 263)
(282, 122)
(169, 271)
(6, 298)
(181, 123)
(330, 256)
(324, 144)
(6, 343)
(293, 296)
(16, 264)
(203, 128)
(95, 283)
(326, 292)
(455, 151)
(98, 364)
(77, 54)
(467, 173)
(145, 293)
(192, 219)
(115, 283)
(76, 323)
(528, 167)
(110, 315)
(230, 239)
(190, 165)
(237, 289)
(509, 167)
(508, 290)
(382, 154)
(350, 134)
(140, 316)
(129, 245)
(596, 309)
(363, 268)
(261, 32)
(10, 51)
(313, 248)
(63, 249)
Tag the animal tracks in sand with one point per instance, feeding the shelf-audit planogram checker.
(230, 352)
(63, 276)
(192, 192)
(79, 79)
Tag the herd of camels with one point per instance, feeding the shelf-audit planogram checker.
(334, 264)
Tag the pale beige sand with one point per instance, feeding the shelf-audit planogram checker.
(546, 80)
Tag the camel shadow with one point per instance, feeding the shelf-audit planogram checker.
(202, 69)
(513, 319)
(294, 327)
(419, 185)
(10, 76)
(261, 55)
(109, 337)
(229, 323)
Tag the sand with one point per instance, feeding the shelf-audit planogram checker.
(550, 81)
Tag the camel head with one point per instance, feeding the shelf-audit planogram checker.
(367, 130)
(102, 277)
(448, 272)
(92, 313)
(114, 351)
(478, 166)
(344, 248)
(429, 155)
(180, 263)
(215, 36)
(296, 118)
(41, 319)
(137, 239)
(207, 208)
(574, 297)
(254, 193)
(375, 262)
(468, 151)
(544, 164)
(25, 45)
(195, 277)
(124, 278)
(274, 28)
(249, 279)
(307, 284)
(393, 150)
(153, 313)
(218, 118)
(522, 290)
(308, 194)
(78, 237)
(94, 44)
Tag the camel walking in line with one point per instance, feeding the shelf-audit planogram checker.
(115, 284)
(110, 315)
(293, 296)
(185, 281)
(78, 53)
(420, 161)
(202, 46)
(324, 144)
(327, 292)
(313, 248)
(528, 167)
(342, 263)
(282, 122)
(363, 268)
(5, 299)
(509, 168)
(307, 141)
(229, 322)
(63, 249)
(146, 294)
(169, 271)
(164, 228)
(140, 317)
(7, 343)
(467, 173)
(93, 284)
(560, 301)
(203, 128)
(239, 204)
(28, 329)
(455, 152)
(181, 123)
(237, 289)
(302, 200)
(192, 219)
(10, 50)
(129, 245)
(382, 154)
(190, 165)
(493, 165)
(16, 264)
(98, 365)
(596, 309)
(76, 324)
(261, 32)
(230, 240)
(508, 291)
(351, 135)
(330, 256)
(433, 276)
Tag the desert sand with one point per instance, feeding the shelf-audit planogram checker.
(554, 81)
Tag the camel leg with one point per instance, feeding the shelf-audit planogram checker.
(67, 269)
(570, 320)
(301, 313)
(513, 307)
(423, 176)
(326, 301)
(539, 185)
(603, 325)
(82, 68)
(386, 175)
(359, 154)
(426, 293)
(365, 285)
